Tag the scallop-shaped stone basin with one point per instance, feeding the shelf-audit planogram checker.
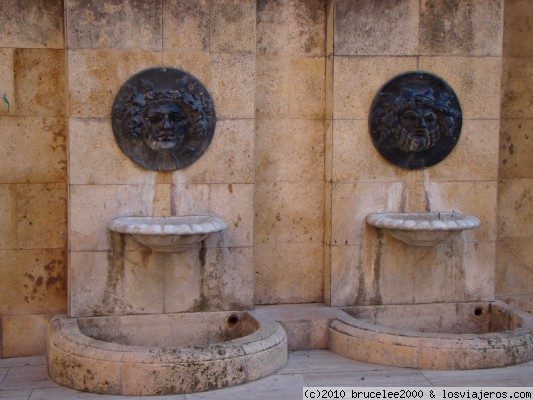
(423, 229)
(169, 234)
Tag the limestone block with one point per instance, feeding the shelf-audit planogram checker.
(95, 76)
(40, 82)
(8, 216)
(515, 208)
(289, 150)
(517, 29)
(7, 87)
(462, 28)
(289, 212)
(232, 26)
(230, 156)
(517, 88)
(346, 275)
(233, 84)
(307, 88)
(476, 198)
(514, 267)
(366, 27)
(352, 202)
(93, 207)
(128, 24)
(472, 79)
(272, 90)
(478, 141)
(274, 285)
(33, 150)
(291, 27)
(96, 158)
(516, 149)
(197, 63)
(41, 215)
(186, 25)
(180, 276)
(358, 79)
(189, 198)
(24, 335)
(234, 204)
(34, 281)
(95, 287)
(32, 24)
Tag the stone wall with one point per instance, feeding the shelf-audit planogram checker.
(289, 151)
(108, 42)
(514, 271)
(371, 43)
(291, 168)
(33, 173)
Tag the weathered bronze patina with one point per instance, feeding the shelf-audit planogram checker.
(163, 119)
(415, 120)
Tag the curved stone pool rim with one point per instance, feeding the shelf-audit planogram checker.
(368, 342)
(83, 363)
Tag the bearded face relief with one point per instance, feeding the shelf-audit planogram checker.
(418, 129)
(167, 126)
(415, 120)
(163, 119)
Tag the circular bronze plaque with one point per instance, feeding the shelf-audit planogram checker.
(163, 119)
(415, 120)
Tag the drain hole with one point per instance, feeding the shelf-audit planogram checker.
(233, 319)
(478, 311)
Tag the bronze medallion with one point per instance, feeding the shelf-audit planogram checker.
(163, 119)
(415, 120)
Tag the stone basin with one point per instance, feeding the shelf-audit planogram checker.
(169, 234)
(443, 336)
(140, 355)
(423, 229)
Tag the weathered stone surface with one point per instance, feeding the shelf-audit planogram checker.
(515, 210)
(517, 88)
(516, 149)
(24, 335)
(291, 27)
(517, 28)
(273, 285)
(114, 24)
(289, 150)
(232, 26)
(7, 89)
(34, 281)
(463, 27)
(34, 150)
(96, 75)
(472, 78)
(233, 84)
(514, 267)
(382, 344)
(367, 27)
(40, 82)
(32, 24)
(289, 212)
(88, 364)
(186, 25)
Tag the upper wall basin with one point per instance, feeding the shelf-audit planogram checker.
(169, 234)
(423, 229)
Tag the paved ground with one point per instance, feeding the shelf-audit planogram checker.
(26, 378)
